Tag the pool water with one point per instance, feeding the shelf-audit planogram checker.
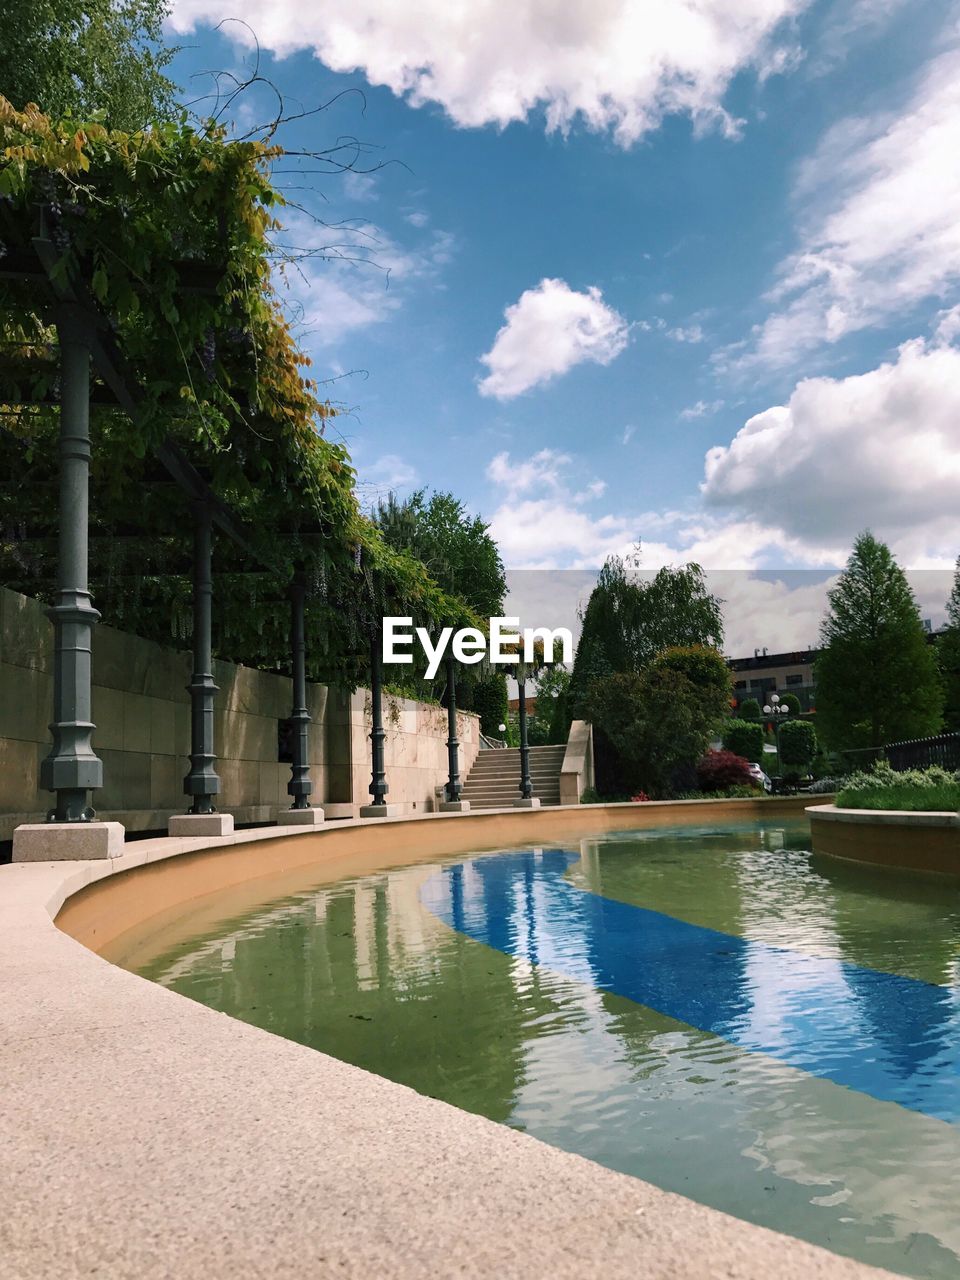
(716, 1011)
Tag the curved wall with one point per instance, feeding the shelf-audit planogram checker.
(903, 841)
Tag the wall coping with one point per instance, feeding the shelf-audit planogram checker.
(146, 1135)
(885, 817)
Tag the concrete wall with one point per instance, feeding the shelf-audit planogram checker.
(142, 712)
(925, 842)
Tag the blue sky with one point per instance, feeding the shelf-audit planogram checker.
(659, 272)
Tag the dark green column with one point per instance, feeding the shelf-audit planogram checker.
(299, 786)
(526, 783)
(454, 786)
(72, 769)
(202, 782)
(378, 780)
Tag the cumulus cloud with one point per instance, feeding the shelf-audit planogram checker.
(878, 449)
(692, 333)
(620, 65)
(549, 330)
(880, 216)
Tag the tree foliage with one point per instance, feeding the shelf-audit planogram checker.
(653, 721)
(798, 744)
(792, 703)
(877, 678)
(750, 709)
(87, 58)
(628, 620)
(744, 738)
(948, 652)
(722, 770)
(488, 698)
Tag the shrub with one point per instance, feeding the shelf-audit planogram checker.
(750, 709)
(943, 796)
(798, 743)
(744, 739)
(792, 703)
(490, 703)
(720, 770)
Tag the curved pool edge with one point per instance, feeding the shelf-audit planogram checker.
(896, 839)
(147, 1135)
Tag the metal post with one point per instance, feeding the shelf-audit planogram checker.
(378, 781)
(454, 786)
(202, 782)
(526, 784)
(72, 769)
(299, 785)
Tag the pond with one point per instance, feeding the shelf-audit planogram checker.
(714, 1010)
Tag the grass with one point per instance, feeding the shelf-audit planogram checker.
(945, 796)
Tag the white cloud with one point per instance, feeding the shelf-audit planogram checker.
(618, 65)
(346, 279)
(702, 409)
(693, 334)
(881, 449)
(548, 331)
(880, 214)
(628, 433)
(388, 472)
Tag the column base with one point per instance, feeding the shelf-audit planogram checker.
(201, 824)
(381, 810)
(338, 810)
(67, 841)
(527, 802)
(300, 817)
(454, 806)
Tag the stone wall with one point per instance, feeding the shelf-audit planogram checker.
(142, 712)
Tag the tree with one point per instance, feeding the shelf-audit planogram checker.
(744, 738)
(750, 709)
(877, 678)
(792, 703)
(721, 770)
(654, 723)
(456, 547)
(81, 57)
(798, 744)
(488, 698)
(948, 652)
(628, 621)
(552, 720)
(706, 670)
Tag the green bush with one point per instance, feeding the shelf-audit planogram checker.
(792, 703)
(490, 703)
(744, 739)
(798, 743)
(882, 775)
(943, 796)
(750, 709)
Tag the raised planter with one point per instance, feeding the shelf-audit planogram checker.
(896, 838)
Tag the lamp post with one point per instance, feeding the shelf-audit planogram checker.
(775, 709)
(526, 799)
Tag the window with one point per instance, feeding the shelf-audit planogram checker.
(740, 684)
(795, 679)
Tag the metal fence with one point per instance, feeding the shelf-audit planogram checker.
(943, 750)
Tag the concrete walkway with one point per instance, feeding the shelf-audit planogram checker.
(143, 1135)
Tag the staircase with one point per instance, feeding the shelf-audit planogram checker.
(494, 780)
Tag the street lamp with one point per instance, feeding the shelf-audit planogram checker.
(775, 708)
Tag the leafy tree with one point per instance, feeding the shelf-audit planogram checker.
(654, 723)
(792, 703)
(949, 655)
(798, 743)
(744, 738)
(877, 678)
(488, 698)
(552, 718)
(628, 621)
(455, 547)
(750, 709)
(706, 670)
(721, 770)
(82, 57)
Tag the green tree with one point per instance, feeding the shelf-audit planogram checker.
(84, 56)
(629, 620)
(798, 744)
(744, 738)
(792, 703)
(456, 547)
(553, 718)
(706, 669)
(654, 723)
(750, 709)
(877, 678)
(488, 698)
(948, 652)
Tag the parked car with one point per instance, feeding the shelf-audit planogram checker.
(757, 774)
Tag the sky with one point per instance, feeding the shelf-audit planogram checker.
(681, 275)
